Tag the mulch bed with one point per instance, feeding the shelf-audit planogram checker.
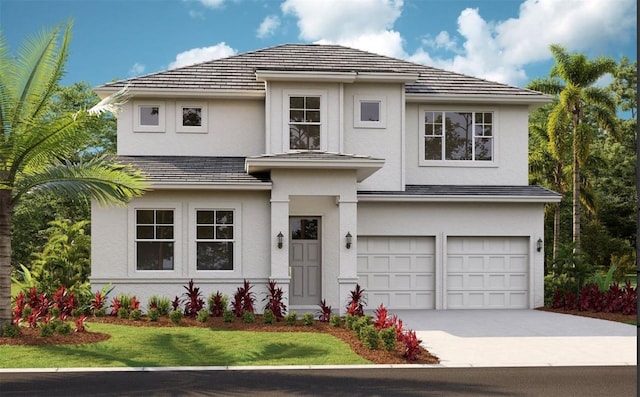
(617, 317)
(379, 356)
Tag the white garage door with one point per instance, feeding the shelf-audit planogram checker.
(487, 273)
(397, 271)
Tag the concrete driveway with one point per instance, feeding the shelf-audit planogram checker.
(516, 338)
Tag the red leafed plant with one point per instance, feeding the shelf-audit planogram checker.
(80, 323)
(18, 308)
(193, 301)
(382, 320)
(175, 304)
(570, 301)
(64, 301)
(629, 299)
(411, 345)
(97, 302)
(324, 314)
(275, 301)
(614, 299)
(244, 300)
(135, 304)
(397, 324)
(355, 307)
(217, 304)
(115, 306)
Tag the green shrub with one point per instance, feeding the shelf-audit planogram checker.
(125, 302)
(161, 303)
(227, 316)
(248, 317)
(135, 314)
(349, 320)
(55, 312)
(26, 312)
(359, 324)
(123, 312)
(369, 336)
(11, 330)
(153, 314)
(77, 312)
(202, 315)
(64, 328)
(291, 318)
(335, 321)
(100, 312)
(175, 316)
(307, 319)
(47, 330)
(268, 317)
(388, 338)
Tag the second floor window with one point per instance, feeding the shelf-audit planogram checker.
(458, 136)
(304, 122)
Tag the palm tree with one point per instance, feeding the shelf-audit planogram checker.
(571, 79)
(35, 142)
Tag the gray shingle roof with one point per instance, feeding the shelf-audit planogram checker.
(194, 170)
(469, 190)
(238, 72)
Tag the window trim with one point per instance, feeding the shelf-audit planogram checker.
(493, 163)
(203, 128)
(177, 237)
(138, 127)
(191, 244)
(287, 94)
(233, 240)
(357, 108)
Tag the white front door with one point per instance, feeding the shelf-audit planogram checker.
(305, 260)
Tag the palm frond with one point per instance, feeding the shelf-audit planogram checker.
(101, 179)
(111, 104)
(546, 85)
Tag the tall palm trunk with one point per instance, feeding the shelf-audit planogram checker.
(576, 187)
(556, 231)
(5, 258)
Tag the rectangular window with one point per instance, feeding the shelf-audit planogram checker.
(369, 112)
(149, 116)
(304, 122)
(458, 136)
(154, 239)
(191, 117)
(214, 239)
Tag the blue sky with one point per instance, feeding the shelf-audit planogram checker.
(499, 40)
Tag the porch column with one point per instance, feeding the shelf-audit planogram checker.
(280, 256)
(348, 271)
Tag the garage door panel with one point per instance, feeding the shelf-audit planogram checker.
(487, 272)
(398, 271)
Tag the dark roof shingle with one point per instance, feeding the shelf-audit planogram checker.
(238, 72)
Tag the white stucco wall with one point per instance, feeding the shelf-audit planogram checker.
(443, 220)
(510, 147)
(112, 251)
(235, 128)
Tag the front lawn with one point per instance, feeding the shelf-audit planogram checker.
(184, 346)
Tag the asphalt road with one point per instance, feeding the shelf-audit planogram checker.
(539, 381)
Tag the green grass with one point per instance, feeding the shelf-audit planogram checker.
(188, 346)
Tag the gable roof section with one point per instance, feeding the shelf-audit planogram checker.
(469, 193)
(193, 172)
(238, 74)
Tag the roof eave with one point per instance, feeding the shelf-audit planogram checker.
(364, 167)
(533, 101)
(456, 198)
(103, 92)
(210, 186)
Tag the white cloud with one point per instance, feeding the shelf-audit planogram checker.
(363, 24)
(198, 55)
(442, 41)
(268, 26)
(137, 69)
(212, 3)
(499, 51)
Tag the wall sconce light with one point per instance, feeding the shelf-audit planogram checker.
(280, 236)
(539, 245)
(349, 239)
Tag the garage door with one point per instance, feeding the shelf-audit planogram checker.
(397, 271)
(487, 273)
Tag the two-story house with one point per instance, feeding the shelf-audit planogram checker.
(321, 166)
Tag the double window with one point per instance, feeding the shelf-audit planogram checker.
(458, 136)
(214, 239)
(154, 239)
(304, 122)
